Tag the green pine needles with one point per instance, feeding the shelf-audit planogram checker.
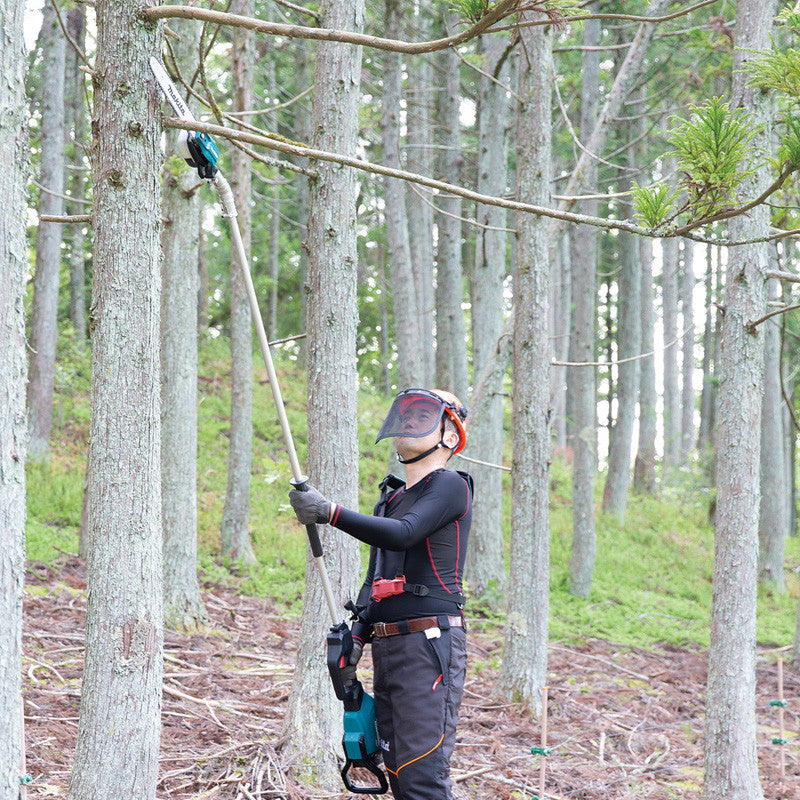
(714, 155)
(653, 204)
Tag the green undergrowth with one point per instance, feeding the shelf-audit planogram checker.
(652, 581)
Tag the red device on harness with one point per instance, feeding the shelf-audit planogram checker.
(384, 587)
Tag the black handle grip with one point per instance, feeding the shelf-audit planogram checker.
(301, 484)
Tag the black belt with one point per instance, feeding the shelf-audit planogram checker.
(414, 625)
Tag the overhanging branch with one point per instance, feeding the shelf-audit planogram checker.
(497, 13)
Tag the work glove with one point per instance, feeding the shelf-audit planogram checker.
(348, 671)
(310, 506)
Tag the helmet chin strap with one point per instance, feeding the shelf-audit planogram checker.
(414, 460)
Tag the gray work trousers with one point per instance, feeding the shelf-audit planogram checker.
(418, 687)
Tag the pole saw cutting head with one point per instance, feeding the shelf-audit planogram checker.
(196, 148)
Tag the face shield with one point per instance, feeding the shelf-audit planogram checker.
(415, 413)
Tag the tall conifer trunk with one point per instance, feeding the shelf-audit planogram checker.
(13, 434)
(44, 318)
(524, 668)
(731, 764)
(116, 754)
(313, 720)
(235, 535)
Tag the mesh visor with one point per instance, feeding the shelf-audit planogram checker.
(414, 413)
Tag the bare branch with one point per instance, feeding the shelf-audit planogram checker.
(66, 220)
(751, 326)
(497, 13)
(295, 149)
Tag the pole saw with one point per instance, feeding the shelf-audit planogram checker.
(360, 740)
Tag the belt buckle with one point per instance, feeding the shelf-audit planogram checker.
(379, 629)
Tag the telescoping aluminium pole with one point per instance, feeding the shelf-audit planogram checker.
(299, 480)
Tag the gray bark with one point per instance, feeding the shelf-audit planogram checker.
(403, 291)
(419, 137)
(773, 522)
(235, 536)
(582, 344)
(116, 754)
(13, 434)
(672, 389)
(313, 719)
(180, 240)
(44, 317)
(687, 311)
(644, 469)
(731, 765)
(451, 347)
(524, 669)
(484, 568)
(561, 316)
(704, 434)
(629, 345)
(303, 134)
(75, 117)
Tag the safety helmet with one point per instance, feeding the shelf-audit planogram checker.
(418, 412)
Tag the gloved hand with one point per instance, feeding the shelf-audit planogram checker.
(348, 671)
(310, 506)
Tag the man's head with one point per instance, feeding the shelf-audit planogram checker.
(421, 413)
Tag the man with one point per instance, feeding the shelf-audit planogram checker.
(411, 603)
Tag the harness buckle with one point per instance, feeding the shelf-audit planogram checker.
(385, 587)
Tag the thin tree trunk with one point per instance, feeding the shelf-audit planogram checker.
(313, 720)
(419, 116)
(451, 348)
(672, 404)
(524, 669)
(183, 606)
(116, 754)
(202, 278)
(302, 121)
(644, 470)
(687, 309)
(484, 568)
(629, 339)
(773, 523)
(562, 317)
(403, 291)
(707, 393)
(235, 536)
(74, 79)
(731, 765)
(13, 434)
(582, 345)
(44, 318)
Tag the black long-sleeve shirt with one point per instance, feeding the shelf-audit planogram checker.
(422, 534)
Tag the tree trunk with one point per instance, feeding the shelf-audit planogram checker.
(672, 396)
(116, 754)
(561, 294)
(75, 116)
(180, 241)
(451, 347)
(524, 669)
(629, 343)
(687, 309)
(773, 523)
(302, 121)
(731, 766)
(13, 435)
(235, 537)
(485, 568)
(707, 394)
(419, 137)
(313, 720)
(403, 291)
(644, 469)
(44, 317)
(582, 344)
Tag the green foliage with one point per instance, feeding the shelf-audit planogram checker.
(653, 204)
(789, 148)
(713, 148)
(472, 10)
(790, 17)
(778, 70)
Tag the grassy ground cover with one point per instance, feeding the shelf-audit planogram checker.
(652, 581)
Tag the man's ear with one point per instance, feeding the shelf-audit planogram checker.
(451, 439)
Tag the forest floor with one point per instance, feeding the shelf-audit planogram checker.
(622, 723)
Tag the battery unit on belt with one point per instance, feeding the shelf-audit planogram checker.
(384, 587)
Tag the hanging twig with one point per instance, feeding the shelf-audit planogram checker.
(73, 44)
